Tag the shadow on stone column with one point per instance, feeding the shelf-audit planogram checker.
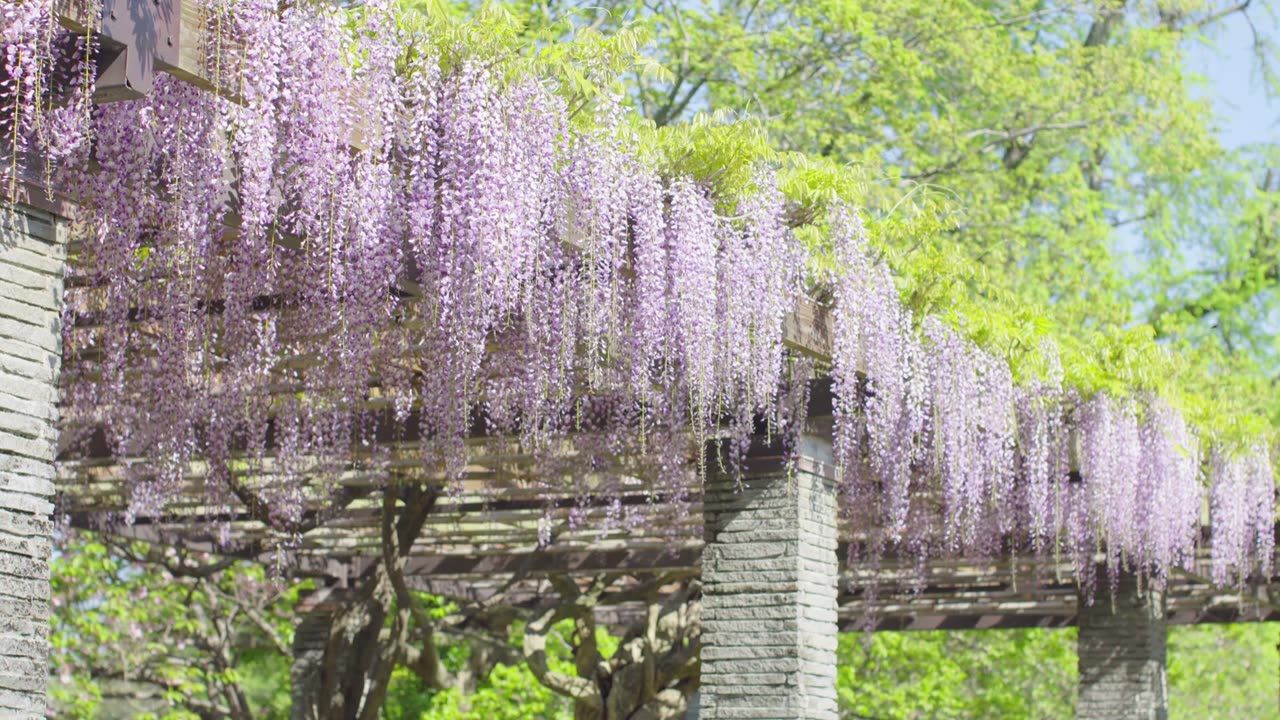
(306, 675)
(1122, 653)
(32, 265)
(769, 575)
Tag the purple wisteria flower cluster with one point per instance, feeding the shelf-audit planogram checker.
(942, 455)
(46, 87)
(367, 247)
(352, 253)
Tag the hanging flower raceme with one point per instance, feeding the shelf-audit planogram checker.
(595, 221)
(1242, 513)
(941, 454)
(849, 238)
(693, 238)
(365, 243)
(882, 379)
(972, 433)
(46, 87)
(1043, 457)
(1110, 461)
(758, 280)
(652, 314)
(1170, 494)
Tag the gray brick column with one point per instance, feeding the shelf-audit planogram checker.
(1121, 644)
(309, 641)
(769, 575)
(32, 260)
(694, 708)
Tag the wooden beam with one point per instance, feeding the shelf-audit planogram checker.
(808, 331)
(178, 37)
(542, 562)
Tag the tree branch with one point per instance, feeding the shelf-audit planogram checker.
(535, 655)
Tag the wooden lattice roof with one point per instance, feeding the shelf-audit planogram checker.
(488, 532)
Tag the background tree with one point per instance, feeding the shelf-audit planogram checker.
(968, 674)
(107, 595)
(652, 670)
(138, 630)
(1068, 137)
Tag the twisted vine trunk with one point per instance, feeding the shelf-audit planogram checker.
(351, 640)
(343, 654)
(655, 669)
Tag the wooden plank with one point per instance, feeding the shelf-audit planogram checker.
(808, 331)
(205, 54)
(209, 58)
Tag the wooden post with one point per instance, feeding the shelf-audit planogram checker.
(310, 639)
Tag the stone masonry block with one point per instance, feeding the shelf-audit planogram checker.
(769, 598)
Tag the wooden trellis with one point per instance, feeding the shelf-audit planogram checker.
(487, 531)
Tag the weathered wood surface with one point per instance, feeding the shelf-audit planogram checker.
(808, 331)
(202, 54)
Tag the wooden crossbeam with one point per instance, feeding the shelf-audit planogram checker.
(808, 331)
(178, 37)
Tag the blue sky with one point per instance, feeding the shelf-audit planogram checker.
(1239, 96)
(1245, 112)
(1228, 66)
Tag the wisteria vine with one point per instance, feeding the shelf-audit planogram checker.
(366, 246)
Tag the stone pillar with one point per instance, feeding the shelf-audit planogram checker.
(694, 708)
(32, 260)
(310, 641)
(769, 576)
(1121, 647)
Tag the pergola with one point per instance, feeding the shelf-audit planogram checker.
(485, 532)
(776, 582)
